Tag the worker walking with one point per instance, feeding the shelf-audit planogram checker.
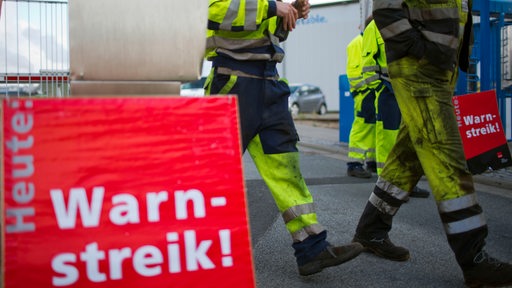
(361, 144)
(376, 113)
(375, 74)
(388, 116)
(425, 42)
(244, 50)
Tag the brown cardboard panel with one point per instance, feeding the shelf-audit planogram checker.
(126, 88)
(157, 40)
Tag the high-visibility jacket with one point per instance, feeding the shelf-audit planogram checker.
(243, 36)
(426, 29)
(375, 73)
(374, 56)
(355, 64)
(361, 145)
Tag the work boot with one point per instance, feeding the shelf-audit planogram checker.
(488, 272)
(418, 192)
(371, 166)
(331, 256)
(384, 248)
(358, 171)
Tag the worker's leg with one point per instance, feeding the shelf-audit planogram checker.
(388, 122)
(361, 146)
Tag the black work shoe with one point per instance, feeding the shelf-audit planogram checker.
(418, 192)
(359, 172)
(371, 166)
(331, 256)
(384, 248)
(488, 272)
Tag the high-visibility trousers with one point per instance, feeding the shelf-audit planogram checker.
(387, 124)
(428, 143)
(361, 144)
(269, 134)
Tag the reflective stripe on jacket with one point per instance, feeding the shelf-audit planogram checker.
(243, 30)
(374, 56)
(430, 29)
(354, 63)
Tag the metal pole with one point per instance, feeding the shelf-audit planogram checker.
(485, 51)
(499, 71)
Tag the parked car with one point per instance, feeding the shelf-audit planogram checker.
(20, 90)
(306, 98)
(194, 88)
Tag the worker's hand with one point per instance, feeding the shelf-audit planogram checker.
(288, 13)
(302, 7)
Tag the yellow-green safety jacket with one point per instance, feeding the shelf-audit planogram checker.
(375, 65)
(243, 30)
(355, 65)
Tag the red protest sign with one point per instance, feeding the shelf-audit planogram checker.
(483, 137)
(124, 192)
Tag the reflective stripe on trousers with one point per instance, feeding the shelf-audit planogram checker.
(362, 134)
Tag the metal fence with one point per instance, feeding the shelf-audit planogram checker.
(34, 48)
(505, 100)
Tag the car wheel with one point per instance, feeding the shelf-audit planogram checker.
(322, 110)
(295, 109)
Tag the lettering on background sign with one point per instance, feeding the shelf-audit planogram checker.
(147, 260)
(483, 125)
(476, 124)
(456, 106)
(23, 189)
(313, 19)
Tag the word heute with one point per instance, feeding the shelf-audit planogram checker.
(23, 190)
(147, 260)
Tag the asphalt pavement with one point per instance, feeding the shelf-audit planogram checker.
(340, 201)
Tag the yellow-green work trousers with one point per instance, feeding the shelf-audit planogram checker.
(428, 143)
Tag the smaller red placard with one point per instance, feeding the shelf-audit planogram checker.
(483, 137)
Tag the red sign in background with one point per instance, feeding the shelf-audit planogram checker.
(483, 137)
(124, 192)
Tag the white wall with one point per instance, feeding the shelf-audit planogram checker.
(316, 49)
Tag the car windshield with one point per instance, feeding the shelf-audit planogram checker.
(293, 89)
(195, 84)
